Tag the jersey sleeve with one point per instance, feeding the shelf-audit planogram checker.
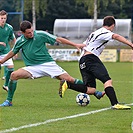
(17, 46)
(51, 39)
(108, 36)
(47, 37)
(11, 35)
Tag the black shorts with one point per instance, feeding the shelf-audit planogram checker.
(92, 68)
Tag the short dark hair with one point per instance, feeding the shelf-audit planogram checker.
(3, 12)
(25, 25)
(108, 21)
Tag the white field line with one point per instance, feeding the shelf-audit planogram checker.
(54, 120)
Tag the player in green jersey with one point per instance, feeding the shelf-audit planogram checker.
(6, 35)
(38, 62)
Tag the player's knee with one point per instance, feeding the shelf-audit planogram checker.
(70, 79)
(108, 83)
(13, 76)
(67, 77)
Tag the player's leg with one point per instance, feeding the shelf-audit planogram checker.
(66, 81)
(5, 72)
(55, 71)
(89, 81)
(70, 82)
(103, 76)
(10, 65)
(10, 69)
(65, 76)
(110, 92)
(101, 73)
(18, 74)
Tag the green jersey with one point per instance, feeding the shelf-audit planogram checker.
(34, 50)
(6, 34)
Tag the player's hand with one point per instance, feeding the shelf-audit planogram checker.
(2, 43)
(0, 62)
(80, 46)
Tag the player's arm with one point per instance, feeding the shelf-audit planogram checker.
(13, 41)
(65, 41)
(2, 43)
(122, 39)
(8, 56)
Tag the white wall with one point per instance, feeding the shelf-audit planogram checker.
(77, 30)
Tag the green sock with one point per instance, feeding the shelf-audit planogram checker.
(5, 71)
(78, 81)
(12, 87)
(10, 70)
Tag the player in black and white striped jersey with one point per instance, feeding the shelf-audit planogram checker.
(92, 68)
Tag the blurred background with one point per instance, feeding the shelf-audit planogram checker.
(72, 19)
(44, 12)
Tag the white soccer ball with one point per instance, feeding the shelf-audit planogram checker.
(82, 99)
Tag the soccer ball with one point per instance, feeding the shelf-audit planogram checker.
(82, 99)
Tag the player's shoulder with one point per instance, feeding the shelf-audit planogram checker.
(44, 34)
(103, 30)
(9, 26)
(20, 39)
(40, 32)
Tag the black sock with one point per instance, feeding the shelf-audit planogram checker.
(111, 95)
(77, 87)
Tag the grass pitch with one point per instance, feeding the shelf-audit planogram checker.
(37, 102)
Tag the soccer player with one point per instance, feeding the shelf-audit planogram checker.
(92, 68)
(6, 36)
(38, 61)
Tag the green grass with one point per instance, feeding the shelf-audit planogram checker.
(37, 101)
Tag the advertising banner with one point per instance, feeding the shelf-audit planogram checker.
(108, 55)
(64, 54)
(126, 55)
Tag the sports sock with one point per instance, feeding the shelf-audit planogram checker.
(111, 95)
(12, 87)
(10, 70)
(5, 71)
(78, 81)
(77, 87)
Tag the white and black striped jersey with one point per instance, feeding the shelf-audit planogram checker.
(97, 41)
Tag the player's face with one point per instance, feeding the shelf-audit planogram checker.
(3, 19)
(29, 33)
